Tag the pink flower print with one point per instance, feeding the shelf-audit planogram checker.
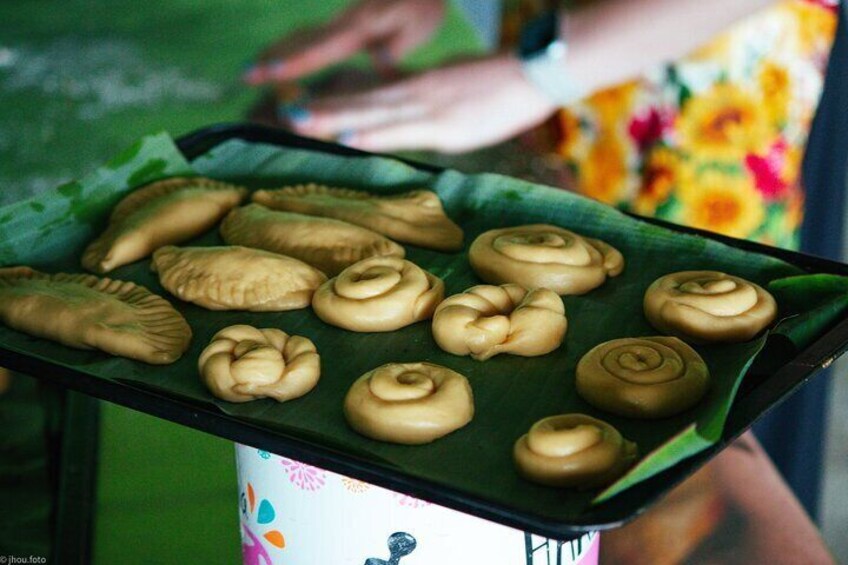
(410, 501)
(650, 126)
(831, 5)
(254, 553)
(304, 477)
(767, 170)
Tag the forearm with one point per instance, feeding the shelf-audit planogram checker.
(616, 40)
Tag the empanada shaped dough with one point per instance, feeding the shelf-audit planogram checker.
(409, 403)
(544, 256)
(89, 312)
(415, 217)
(642, 377)
(162, 213)
(487, 320)
(573, 450)
(708, 306)
(326, 244)
(243, 363)
(5, 379)
(236, 278)
(378, 294)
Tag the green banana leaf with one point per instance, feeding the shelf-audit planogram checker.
(511, 393)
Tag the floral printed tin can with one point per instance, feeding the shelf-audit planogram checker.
(293, 513)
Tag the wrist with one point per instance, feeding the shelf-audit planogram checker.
(543, 52)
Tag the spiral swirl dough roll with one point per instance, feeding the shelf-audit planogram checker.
(645, 377)
(486, 320)
(243, 363)
(379, 294)
(708, 306)
(409, 403)
(544, 256)
(573, 450)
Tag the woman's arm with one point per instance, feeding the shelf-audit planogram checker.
(614, 40)
(472, 104)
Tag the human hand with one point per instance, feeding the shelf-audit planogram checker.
(389, 28)
(450, 109)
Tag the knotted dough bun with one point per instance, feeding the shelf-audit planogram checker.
(487, 320)
(243, 363)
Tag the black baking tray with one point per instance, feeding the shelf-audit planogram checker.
(772, 378)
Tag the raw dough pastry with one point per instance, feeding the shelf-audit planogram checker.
(409, 403)
(486, 320)
(236, 278)
(380, 294)
(645, 377)
(544, 256)
(5, 379)
(708, 306)
(88, 312)
(161, 213)
(415, 217)
(573, 450)
(243, 363)
(326, 244)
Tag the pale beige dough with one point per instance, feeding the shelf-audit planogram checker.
(162, 213)
(379, 294)
(487, 320)
(708, 306)
(243, 363)
(644, 377)
(236, 278)
(409, 403)
(573, 450)
(326, 244)
(5, 379)
(88, 312)
(415, 217)
(544, 256)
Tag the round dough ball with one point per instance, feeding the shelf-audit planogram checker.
(486, 320)
(409, 403)
(708, 306)
(544, 256)
(243, 363)
(378, 294)
(645, 377)
(573, 450)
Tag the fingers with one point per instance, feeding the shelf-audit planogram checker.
(334, 115)
(413, 134)
(392, 26)
(293, 58)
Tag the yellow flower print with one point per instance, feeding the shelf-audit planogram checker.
(794, 210)
(612, 105)
(816, 25)
(775, 87)
(662, 172)
(723, 203)
(570, 134)
(723, 122)
(604, 172)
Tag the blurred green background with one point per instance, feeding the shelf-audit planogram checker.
(80, 81)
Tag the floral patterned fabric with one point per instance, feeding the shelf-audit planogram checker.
(714, 140)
